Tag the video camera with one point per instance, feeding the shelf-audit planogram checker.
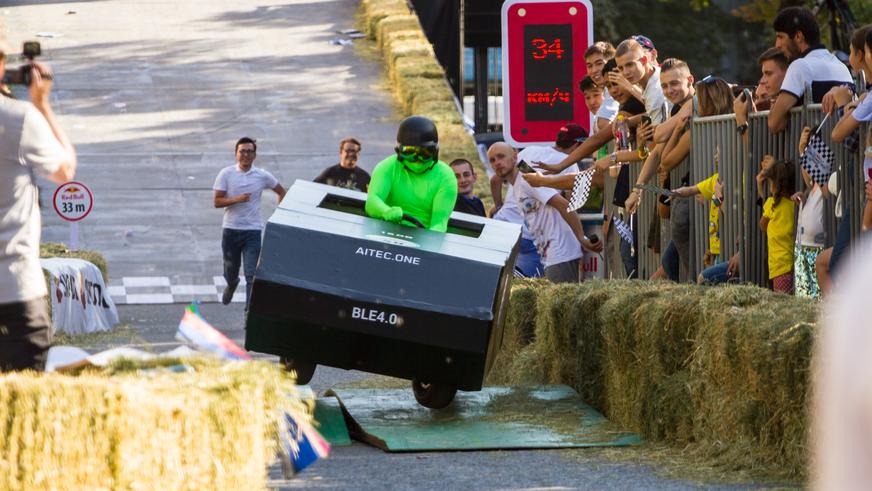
(23, 74)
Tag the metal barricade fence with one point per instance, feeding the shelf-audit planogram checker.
(647, 260)
(613, 266)
(715, 149)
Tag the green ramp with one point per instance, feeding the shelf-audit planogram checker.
(330, 422)
(550, 416)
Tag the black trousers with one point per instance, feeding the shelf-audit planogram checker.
(25, 335)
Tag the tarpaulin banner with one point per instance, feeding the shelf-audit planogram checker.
(80, 300)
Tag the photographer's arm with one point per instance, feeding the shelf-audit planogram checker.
(40, 87)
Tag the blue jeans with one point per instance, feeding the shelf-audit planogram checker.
(240, 246)
(528, 261)
(716, 273)
(670, 261)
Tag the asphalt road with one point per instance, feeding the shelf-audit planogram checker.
(362, 467)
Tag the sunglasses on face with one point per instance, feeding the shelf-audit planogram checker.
(421, 154)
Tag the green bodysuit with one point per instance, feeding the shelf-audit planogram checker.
(428, 196)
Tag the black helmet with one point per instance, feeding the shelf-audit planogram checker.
(417, 131)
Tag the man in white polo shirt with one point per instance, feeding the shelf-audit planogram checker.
(238, 189)
(32, 144)
(798, 36)
(640, 76)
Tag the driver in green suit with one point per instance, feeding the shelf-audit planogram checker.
(414, 181)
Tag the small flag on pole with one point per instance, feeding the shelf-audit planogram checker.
(623, 230)
(818, 159)
(580, 189)
(303, 445)
(194, 330)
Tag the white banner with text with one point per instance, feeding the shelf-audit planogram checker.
(80, 300)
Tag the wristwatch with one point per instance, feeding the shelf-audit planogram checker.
(614, 158)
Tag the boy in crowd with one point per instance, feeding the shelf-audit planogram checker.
(596, 57)
(467, 201)
(773, 67)
(593, 94)
(640, 76)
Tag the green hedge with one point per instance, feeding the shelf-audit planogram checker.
(418, 81)
(721, 371)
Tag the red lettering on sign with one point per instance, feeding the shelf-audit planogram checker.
(543, 49)
(549, 98)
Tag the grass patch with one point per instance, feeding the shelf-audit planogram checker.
(120, 335)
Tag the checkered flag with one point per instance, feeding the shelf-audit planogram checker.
(818, 159)
(623, 230)
(581, 189)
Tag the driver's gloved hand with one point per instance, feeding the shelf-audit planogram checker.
(394, 214)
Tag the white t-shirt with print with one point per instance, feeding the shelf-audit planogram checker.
(863, 114)
(509, 212)
(28, 148)
(245, 215)
(554, 239)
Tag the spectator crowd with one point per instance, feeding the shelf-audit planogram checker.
(642, 112)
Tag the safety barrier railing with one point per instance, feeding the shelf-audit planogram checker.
(738, 165)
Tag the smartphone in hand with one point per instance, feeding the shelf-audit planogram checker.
(525, 167)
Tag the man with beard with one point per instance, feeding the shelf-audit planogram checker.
(798, 36)
(346, 174)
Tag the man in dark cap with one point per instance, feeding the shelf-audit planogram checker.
(414, 182)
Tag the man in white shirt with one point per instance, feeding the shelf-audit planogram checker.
(238, 189)
(798, 36)
(32, 144)
(556, 232)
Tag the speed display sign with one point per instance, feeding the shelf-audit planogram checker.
(543, 62)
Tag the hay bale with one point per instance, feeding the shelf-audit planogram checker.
(518, 330)
(388, 37)
(212, 428)
(416, 66)
(393, 23)
(722, 371)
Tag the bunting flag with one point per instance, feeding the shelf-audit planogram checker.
(194, 330)
(303, 445)
(623, 230)
(657, 190)
(580, 189)
(818, 159)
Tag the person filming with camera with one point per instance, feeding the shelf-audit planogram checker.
(32, 144)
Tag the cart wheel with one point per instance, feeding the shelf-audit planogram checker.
(304, 369)
(435, 395)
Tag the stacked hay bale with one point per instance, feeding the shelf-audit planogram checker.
(418, 81)
(139, 426)
(723, 371)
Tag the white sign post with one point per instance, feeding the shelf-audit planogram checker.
(72, 202)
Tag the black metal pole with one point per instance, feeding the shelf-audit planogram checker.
(481, 84)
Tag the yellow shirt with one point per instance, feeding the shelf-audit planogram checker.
(780, 235)
(707, 190)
